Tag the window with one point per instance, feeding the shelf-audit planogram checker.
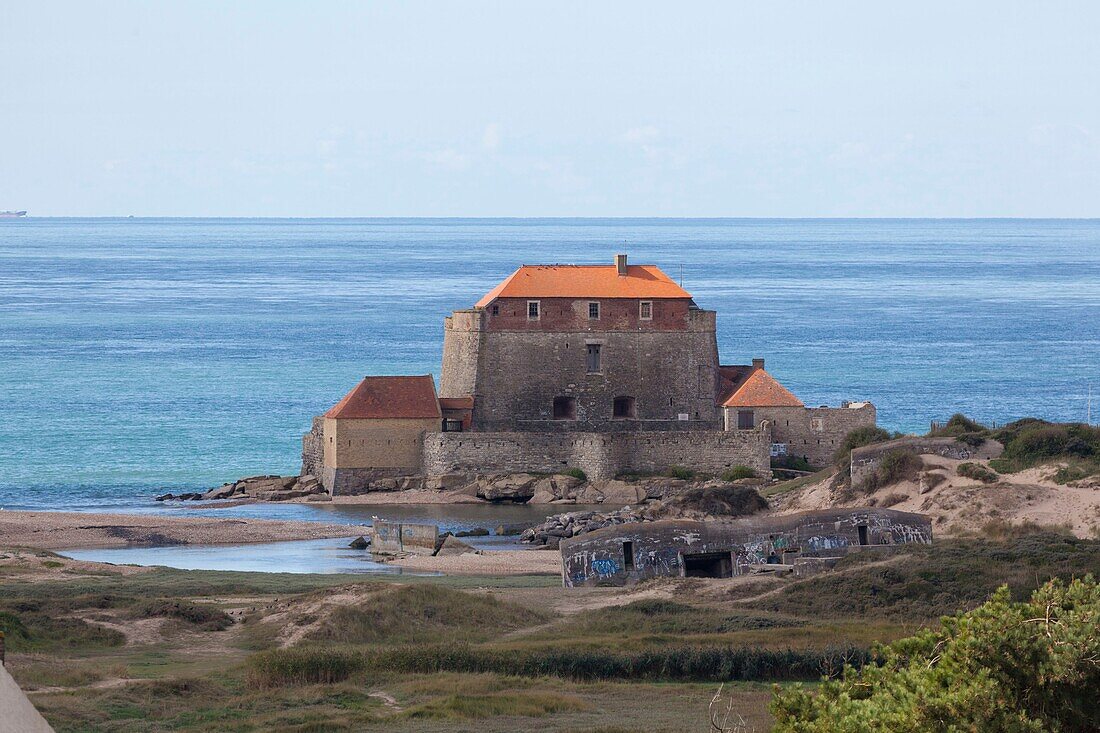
(645, 310)
(496, 310)
(628, 556)
(532, 310)
(745, 420)
(593, 358)
(452, 426)
(623, 407)
(593, 311)
(565, 408)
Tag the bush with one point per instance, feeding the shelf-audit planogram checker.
(857, 439)
(301, 666)
(576, 473)
(932, 479)
(725, 501)
(892, 499)
(665, 663)
(36, 631)
(1031, 442)
(1003, 667)
(738, 472)
(894, 466)
(793, 463)
(963, 429)
(976, 472)
(684, 474)
(205, 616)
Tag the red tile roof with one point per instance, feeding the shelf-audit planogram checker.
(585, 281)
(757, 388)
(389, 397)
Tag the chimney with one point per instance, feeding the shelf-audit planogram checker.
(757, 363)
(620, 264)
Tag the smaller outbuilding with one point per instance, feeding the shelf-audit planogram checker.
(628, 553)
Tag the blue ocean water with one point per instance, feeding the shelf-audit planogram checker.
(140, 354)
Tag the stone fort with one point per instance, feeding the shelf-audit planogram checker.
(607, 368)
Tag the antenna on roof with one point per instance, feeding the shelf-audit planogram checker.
(1088, 409)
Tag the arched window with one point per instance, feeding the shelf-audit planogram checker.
(565, 408)
(623, 407)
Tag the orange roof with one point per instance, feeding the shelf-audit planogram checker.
(389, 397)
(456, 403)
(760, 389)
(585, 281)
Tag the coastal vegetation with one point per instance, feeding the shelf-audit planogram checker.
(414, 653)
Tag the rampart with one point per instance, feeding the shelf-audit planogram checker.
(599, 455)
(313, 448)
(866, 459)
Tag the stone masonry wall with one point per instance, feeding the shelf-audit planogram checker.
(813, 433)
(313, 448)
(599, 455)
(668, 373)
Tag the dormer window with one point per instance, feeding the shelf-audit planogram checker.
(593, 311)
(532, 310)
(645, 310)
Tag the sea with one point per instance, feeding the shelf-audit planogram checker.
(139, 356)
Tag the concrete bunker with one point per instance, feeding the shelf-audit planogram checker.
(629, 553)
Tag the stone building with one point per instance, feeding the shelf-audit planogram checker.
(752, 396)
(376, 431)
(629, 553)
(602, 368)
(584, 348)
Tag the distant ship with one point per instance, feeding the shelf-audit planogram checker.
(11, 214)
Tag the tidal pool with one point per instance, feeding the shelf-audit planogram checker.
(299, 556)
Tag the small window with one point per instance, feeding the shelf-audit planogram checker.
(496, 310)
(532, 310)
(565, 408)
(623, 407)
(628, 556)
(645, 310)
(745, 420)
(593, 311)
(593, 358)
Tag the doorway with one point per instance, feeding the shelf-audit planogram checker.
(708, 565)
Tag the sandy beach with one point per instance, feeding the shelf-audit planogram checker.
(61, 530)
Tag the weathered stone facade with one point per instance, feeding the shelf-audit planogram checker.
(629, 553)
(668, 371)
(813, 433)
(599, 455)
(313, 448)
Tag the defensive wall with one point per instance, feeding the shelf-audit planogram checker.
(629, 553)
(813, 433)
(866, 460)
(599, 455)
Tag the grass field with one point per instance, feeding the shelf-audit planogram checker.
(169, 650)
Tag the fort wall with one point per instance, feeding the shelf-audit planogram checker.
(599, 455)
(813, 433)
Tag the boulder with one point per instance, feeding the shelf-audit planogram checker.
(453, 546)
(621, 492)
(385, 484)
(475, 532)
(319, 497)
(224, 491)
(516, 487)
(359, 543)
(509, 530)
(445, 482)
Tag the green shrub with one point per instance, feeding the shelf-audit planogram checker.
(963, 429)
(1076, 470)
(894, 466)
(684, 474)
(576, 473)
(977, 472)
(793, 463)
(1031, 442)
(301, 666)
(857, 439)
(665, 663)
(203, 615)
(36, 631)
(1003, 667)
(932, 479)
(738, 472)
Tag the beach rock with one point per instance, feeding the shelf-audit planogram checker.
(225, 491)
(453, 546)
(359, 543)
(509, 530)
(445, 482)
(318, 497)
(475, 532)
(515, 487)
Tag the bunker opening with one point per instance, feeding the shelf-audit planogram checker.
(708, 565)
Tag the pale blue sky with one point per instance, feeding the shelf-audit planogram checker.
(550, 109)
